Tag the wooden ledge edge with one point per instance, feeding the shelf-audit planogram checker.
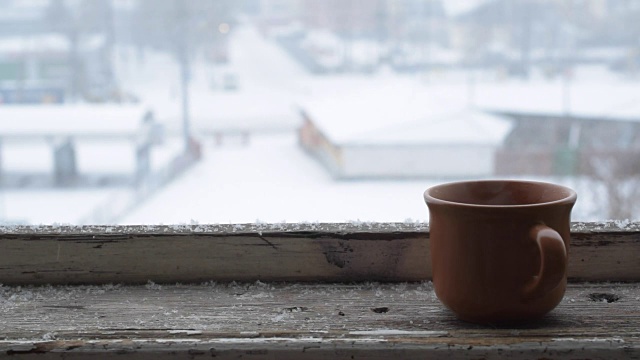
(277, 228)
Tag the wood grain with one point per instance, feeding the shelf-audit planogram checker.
(307, 321)
(269, 252)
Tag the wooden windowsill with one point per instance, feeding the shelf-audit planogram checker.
(270, 252)
(299, 321)
(353, 291)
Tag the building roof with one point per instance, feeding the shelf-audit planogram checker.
(465, 127)
(47, 43)
(616, 101)
(397, 112)
(46, 121)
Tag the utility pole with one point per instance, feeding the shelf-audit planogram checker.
(183, 58)
(567, 63)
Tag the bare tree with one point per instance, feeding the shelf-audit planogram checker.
(619, 174)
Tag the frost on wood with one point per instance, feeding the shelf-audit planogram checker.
(409, 225)
(608, 225)
(218, 228)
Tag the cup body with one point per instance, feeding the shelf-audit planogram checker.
(482, 252)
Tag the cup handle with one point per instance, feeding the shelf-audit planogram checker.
(553, 262)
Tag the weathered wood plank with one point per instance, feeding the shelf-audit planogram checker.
(274, 252)
(314, 321)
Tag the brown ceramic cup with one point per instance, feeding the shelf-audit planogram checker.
(499, 247)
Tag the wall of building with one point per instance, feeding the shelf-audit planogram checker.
(564, 145)
(432, 161)
(316, 143)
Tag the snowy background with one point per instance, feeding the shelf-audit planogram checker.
(256, 171)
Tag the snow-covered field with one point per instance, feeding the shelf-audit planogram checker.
(272, 179)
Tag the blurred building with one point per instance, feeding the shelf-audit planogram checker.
(399, 134)
(379, 19)
(554, 34)
(22, 17)
(47, 68)
(347, 18)
(88, 145)
(360, 35)
(42, 62)
(277, 12)
(570, 145)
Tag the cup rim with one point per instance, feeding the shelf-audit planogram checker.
(570, 199)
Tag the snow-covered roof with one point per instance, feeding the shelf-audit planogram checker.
(397, 112)
(595, 100)
(43, 43)
(39, 121)
(464, 127)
